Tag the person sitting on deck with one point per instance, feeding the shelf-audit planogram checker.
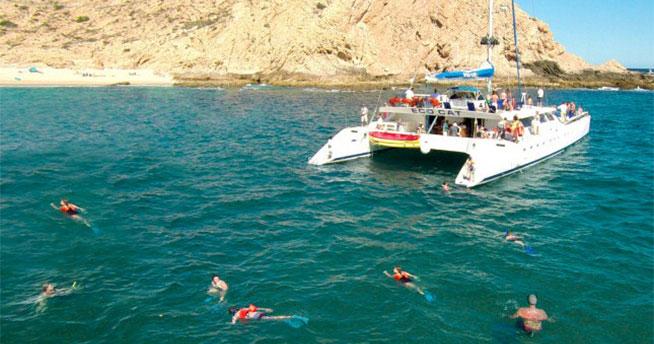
(516, 129)
(463, 132)
(530, 101)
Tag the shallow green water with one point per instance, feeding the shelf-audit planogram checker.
(182, 183)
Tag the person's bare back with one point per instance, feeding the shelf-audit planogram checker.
(531, 316)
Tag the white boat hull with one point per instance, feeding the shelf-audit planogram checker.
(493, 158)
(348, 144)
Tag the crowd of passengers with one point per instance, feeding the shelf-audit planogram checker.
(493, 102)
(505, 130)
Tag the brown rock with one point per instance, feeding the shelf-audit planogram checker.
(325, 39)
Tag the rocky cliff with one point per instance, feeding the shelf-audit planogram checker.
(273, 39)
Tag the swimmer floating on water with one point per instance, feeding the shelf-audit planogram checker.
(71, 210)
(218, 286)
(509, 236)
(407, 280)
(256, 313)
(445, 186)
(48, 290)
(531, 316)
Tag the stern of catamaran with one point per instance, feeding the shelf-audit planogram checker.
(348, 144)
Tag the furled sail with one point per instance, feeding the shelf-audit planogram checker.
(485, 71)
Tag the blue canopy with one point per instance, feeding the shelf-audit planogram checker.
(485, 71)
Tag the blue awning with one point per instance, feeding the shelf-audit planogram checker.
(484, 72)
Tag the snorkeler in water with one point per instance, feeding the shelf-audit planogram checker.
(509, 236)
(445, 186)
(405, 278)
(48, 290)
(254, 313)
(218, 286)
(71, 210)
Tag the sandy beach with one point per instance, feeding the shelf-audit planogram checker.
(46, 76)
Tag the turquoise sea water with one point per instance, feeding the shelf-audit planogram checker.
(179, 184)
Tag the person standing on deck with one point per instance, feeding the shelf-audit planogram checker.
(408, 94)
(364, 116)
(541, 94)
(470, 166)
(535, 122)
(494, 100)
(563, 111)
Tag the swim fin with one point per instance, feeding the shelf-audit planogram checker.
(429, 297)
(530, 251)
(297, 321)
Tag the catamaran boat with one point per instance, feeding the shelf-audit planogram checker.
(497, 143)
(498, 138)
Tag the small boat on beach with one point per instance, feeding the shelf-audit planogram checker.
(607, 88)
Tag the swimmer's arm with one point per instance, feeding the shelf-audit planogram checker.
(234, 318)
(387, 274)
(265, 310)
(413, 276)
(544, 317)
(515, 315)
(75, 207)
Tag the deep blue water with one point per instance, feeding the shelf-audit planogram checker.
(182, 183)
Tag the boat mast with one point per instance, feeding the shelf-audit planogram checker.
(490, 46)
(517, 52)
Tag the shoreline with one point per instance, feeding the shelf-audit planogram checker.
(34, 76)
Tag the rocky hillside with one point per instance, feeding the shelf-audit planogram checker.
(272, 39)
